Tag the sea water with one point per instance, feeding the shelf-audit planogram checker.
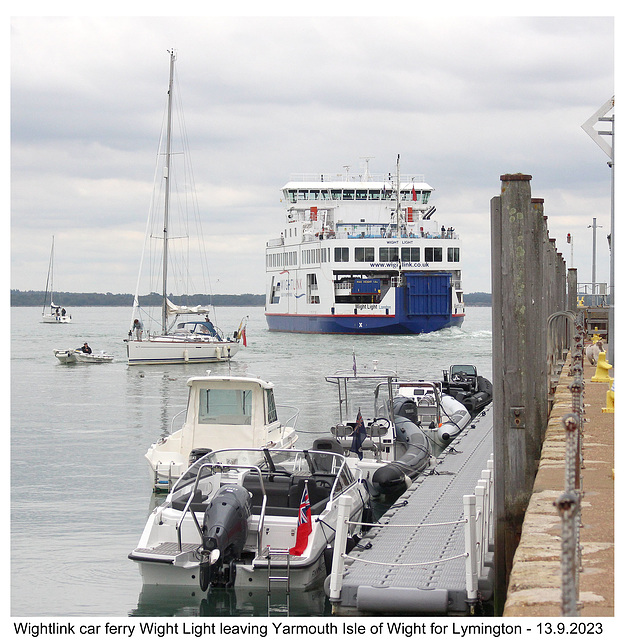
(80, 486)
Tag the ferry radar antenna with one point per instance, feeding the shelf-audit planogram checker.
(366, 159)
(347, 168)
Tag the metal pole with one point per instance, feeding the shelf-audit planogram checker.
(337, 565)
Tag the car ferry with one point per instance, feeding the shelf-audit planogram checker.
(362, 254)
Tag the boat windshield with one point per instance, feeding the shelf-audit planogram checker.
(225, 406)
(230, 464)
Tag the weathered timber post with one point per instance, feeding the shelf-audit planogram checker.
(518, 362)
(572, 290)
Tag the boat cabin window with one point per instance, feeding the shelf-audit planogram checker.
(410, 254)
(453, 254)
(388, 254)
(225, 406)
(341, 254)
(272, 414)
(364, 254)
(433, 254)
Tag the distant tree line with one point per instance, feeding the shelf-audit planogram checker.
(479, 299)
(67, 299)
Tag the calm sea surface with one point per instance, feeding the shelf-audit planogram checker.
(80, 487)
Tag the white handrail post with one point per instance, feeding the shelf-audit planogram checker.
(470, 514)
(490, 476)
(480, 493)
(339, 547)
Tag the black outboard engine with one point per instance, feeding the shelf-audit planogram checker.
(224, 533)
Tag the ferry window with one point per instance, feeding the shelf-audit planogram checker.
(341, 254)
(225, 406)
(425, 196)
(272, 414)
(410, 254)
(433, 254)
(453, 254)
(302, 194)
(361, 194)
(290, 195)
(374, 195)
(348, 194)
(325, 195)
(336, 194)
(388, 254)
(364, 254)
(314, 195)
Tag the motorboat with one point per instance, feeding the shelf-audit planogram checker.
(221, 411)
(248, 517)
(463, 383)
(70, 356)
(411, 423)
(165, 330)
(52, 313)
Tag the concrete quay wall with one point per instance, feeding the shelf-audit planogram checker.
(534, 587)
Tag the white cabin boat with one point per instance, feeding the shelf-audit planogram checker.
(221, 411)
(175, 333)
(362, 254)
(242, 518)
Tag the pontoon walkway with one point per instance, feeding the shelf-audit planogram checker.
(417, 569)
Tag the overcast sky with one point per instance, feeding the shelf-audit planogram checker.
(462, 100)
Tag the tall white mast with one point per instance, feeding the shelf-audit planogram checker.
(166, 208)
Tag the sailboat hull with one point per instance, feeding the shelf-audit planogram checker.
(52, 319)
(164, 351)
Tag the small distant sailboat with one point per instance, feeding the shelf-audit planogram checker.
(185, 333)
(53, 313)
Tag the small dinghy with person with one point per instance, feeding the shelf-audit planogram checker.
(246, 517)
(84, 354)
(221, 411)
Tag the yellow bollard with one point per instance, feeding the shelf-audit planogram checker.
(609, 400)
(603, 368)
(595, 338)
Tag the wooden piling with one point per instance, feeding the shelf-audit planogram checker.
(521, 272)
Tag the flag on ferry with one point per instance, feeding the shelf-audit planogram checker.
(414, 195)
(304, 524)
(359, 435)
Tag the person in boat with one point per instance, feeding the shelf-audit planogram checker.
(86, 348)
(63, 312)
(138, 329)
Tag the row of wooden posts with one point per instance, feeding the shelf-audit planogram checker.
(530, 284)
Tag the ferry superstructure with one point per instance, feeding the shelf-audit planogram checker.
(362, 254)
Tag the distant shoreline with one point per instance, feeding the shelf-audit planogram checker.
(67, 299)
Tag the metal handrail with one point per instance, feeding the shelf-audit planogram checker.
(223, 467)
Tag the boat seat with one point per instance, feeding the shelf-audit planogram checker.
(199, 502)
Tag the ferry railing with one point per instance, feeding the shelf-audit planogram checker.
(478, 521)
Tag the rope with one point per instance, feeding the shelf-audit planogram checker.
(403, 564)
(415, 526)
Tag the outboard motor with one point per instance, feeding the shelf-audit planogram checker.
(398, 475)
(224, 533)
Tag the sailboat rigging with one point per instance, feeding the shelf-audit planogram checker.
(186, 334)
(52, 313)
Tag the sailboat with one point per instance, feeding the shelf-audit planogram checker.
(52, 313)
(185, 333)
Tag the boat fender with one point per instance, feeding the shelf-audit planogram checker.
(399, 475)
